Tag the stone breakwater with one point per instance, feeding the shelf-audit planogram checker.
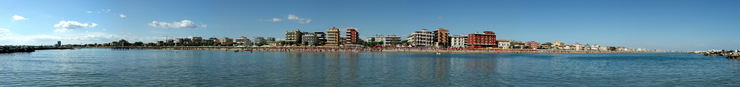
(370, 49)
(730, 54)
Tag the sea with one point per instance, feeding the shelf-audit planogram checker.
(113, 67)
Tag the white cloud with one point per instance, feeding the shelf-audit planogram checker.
(66, 26)
(276, 20)
(122, 15)
(62, 30)
(4, 32)
(19, 18)
(299, 19)
(180, 24)
(98, 11)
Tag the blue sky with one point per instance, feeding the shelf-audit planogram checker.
(656, 24)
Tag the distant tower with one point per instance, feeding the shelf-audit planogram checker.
(59, 44)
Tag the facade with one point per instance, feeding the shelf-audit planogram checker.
(293, 37)
(441, 37)
(421, 38)
(459, 41)
(378, 38)
(392, 40)
(313, 38)
(333, 37)
(353, 37)
(482, 40)
(504, 44)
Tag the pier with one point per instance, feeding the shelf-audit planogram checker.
(14, 49)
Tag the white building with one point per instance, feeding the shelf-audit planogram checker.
(421, 38)
(505, 44)
(391, 40)
(459, 41)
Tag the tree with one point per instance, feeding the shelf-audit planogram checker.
(139, 43)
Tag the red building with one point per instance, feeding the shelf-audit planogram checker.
(482, 40)
(353, 36)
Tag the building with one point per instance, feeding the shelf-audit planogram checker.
(333, 37)
(269, 40)
(441, 38)
(59, 44)
(578, 46)
(321, 36)
(293, 37)
(459, 41)
(532, 45)
(558, 43)
(547, 45)
(517, 44)
(504, 44)
(313, 38)
(243, 41)
(227, 40)
(353, 37)
(421, 38)
(378, 38)
(392, 40)
(213, 40)
(197, 40)
(482, 40)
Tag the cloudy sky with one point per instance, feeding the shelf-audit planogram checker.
(658, 24)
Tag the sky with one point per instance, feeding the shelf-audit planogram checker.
(653, 24)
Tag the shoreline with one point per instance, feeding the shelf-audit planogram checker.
(373, 49)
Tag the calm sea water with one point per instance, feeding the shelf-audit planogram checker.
(107, 67)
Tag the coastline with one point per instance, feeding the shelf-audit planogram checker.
(369, 49)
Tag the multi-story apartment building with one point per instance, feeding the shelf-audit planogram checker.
(421, 38)
(313, 38)
(459, 41)
(441, 38)
(353, 37)
(482, 40)
(392, 40)
(293, 37)
(333, 37)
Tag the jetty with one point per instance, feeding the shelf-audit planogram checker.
(14, 49)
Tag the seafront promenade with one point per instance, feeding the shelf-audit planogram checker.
(367, 49)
